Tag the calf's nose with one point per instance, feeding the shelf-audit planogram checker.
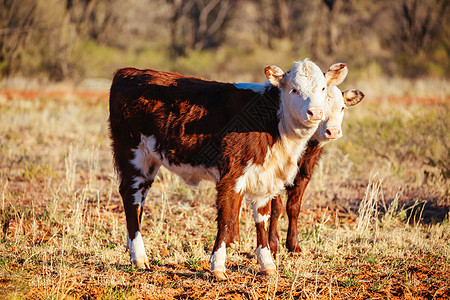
(333, 133)
(315, 114)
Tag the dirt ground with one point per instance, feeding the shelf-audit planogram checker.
(63, 226)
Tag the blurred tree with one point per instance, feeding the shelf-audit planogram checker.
(418, 29)
(203, 22)
(407, 37)
(329, 3)
(342, 30)
(276, 19)
(97, 19)
(283, 17)
(210, 20)
(32, 40)
(419, 23)
(16, 22)
(179, 9)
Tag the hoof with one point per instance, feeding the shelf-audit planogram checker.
(220, 275)
(294, 249)
(269, 272)
(142, 264)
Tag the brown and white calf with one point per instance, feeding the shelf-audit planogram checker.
(247, 141)
(329, 130)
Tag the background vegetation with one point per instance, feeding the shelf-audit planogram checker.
(225, 40)
(375, 218)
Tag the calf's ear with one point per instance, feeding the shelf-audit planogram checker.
(336, 74)
(352, 97)
(274, 74)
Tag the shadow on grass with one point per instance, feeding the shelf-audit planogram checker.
(426, 213)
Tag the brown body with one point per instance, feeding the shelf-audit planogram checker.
(192, 122)
(248, 140)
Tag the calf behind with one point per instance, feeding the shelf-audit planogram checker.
(329, 130)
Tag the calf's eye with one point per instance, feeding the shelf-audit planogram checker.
(294, 91)
(342, 109)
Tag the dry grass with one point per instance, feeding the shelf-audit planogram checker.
(63, 237)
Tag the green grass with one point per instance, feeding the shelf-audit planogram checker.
(118, 293)
(236, 64)
(409, 143)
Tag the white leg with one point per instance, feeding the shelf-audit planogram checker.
(218, 258)
(261, 215)
(137, 251)
(264, 257)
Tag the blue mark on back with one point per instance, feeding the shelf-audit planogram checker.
(256, 87)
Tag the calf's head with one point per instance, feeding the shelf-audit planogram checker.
(303, 89)
(330, 127)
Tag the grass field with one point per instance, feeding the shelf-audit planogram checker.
(374, 223)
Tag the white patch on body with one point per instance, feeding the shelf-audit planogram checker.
(264, 258)
(136, 249)
(192, 175)
(256, 87)
(146, 156)
(143, 160)
(138, 197)
(141, 193)
(260, 218)
(263, 182)
(218, 258)
(138, 180)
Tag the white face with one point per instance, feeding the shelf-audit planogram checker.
(330, 128)
(304, 92)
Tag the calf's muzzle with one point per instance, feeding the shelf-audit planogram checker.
(315, 114)
(333, 133)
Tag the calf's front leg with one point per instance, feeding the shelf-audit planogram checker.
(295, 193)
(228, 206)
(293, 205)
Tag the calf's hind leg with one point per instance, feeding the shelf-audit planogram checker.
(136, 179)
(274, 237)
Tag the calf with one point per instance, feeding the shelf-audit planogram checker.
(248, 141)
(329, 130)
